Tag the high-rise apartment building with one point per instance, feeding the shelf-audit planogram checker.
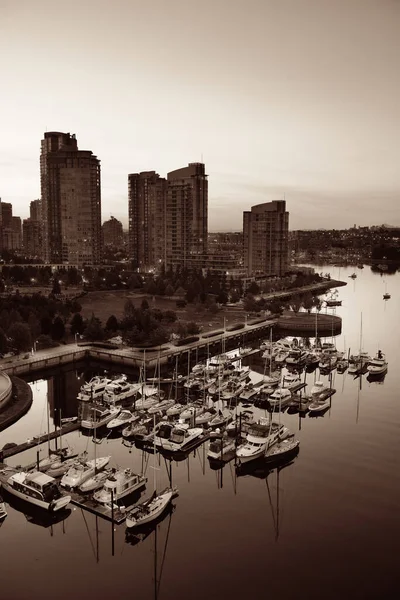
(32, 237)
(147, 195)
(11, 238)
(265, 239)
(186, 217)
(71, 201)
(113, 233)
(35, 210)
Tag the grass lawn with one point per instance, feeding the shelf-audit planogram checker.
(106, 303)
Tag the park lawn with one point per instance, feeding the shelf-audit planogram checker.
(103, 304)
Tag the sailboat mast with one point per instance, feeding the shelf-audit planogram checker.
(270, 353)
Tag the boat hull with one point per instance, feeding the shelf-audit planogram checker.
(54, 506)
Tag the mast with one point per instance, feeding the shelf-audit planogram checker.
(48, 422)
(270, 355)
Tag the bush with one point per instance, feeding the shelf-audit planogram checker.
(188, 340)
(235, 327)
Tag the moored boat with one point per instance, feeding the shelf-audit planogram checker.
(99, 415)
(36, 488)
(378, 365)
(120, 483)
(80, 472)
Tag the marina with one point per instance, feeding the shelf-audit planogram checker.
(314, 460)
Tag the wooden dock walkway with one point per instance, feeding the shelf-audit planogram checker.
(39, 439)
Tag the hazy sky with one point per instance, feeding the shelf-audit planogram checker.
(294, 97)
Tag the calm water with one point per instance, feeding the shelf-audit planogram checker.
(326, 526)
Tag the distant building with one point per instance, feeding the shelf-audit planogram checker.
(186, 217)
(32, 238)
(71, 201)
(265, 239)
(113, 233)
(11, 233)
(146, 197)
(35, 210)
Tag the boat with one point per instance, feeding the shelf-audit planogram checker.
(124, 418)
(137, 429)
(221, 448)
(318, 388)
(3, 511)
(56, 456)
(281, 450)
(239, 373)
(175, 409)
(328, 359)
(67, 420)
(259, 437)
(333, 300)
(95, 482)
(145, 402)
(319, 404)
(93, 388)
(280, 397)
(245, 351)
(120, 389)
(205, 417)
(386, 295)
(59, 468)
(312, 359)
(191, 411)
(161, 407)
(120, 483)
(150, 510)
(99, 415)
(359, 363)
(290, 380)
(80, 472)
(353, 276)
(248, 392)
(378, 365)
(296, 358)
(281, 356)
(223, 417)
(148, 390)
(36, 488)
(241, 423)
(218, 386)
(176, 437)
(232, 390)
(342, 365)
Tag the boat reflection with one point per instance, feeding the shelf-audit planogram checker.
(262, 469)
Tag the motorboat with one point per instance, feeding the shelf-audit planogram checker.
(290, 380)
(342, 365)
(241, 423)
(124, 418)
(148, 390)
(359, 362)
(99, 416)
(386, 296)
(273, 379)
(259, 437)
(353, 276)
(232, 390)
(248, 392)
(281, 450)
(176, 437)
(319, 405)
(120, 483)
(245, 351)
(199, 368)
(332, 300)
(36, 488)
(240, 373)
(318, 389)
(56, 456)
(281, 356)
(221, 447)
(161, 407)
(192, 382)
(120, 389)
(328, 359)
(80, 472)
(137, 429)
(280, 398)
(312, 358)
(151, 509)
(95, 482)
(296, 357)
(93, 389)
(378, 366)
(218, 386)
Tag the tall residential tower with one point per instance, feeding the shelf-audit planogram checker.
(265, 239)
(71, 201)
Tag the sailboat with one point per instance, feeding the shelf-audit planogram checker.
(386, 295)
(151, 509)
(359, 363)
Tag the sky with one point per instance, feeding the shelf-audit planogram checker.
(294, 99)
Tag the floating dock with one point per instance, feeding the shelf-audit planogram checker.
(39, 439)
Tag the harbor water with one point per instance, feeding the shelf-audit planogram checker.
(325, 526)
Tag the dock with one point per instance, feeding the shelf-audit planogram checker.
(39, 439)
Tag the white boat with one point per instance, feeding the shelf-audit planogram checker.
(80, 472)
(191, 411)
(281, 356)
(199, 368)
(290, 380)
(319, 404)
(145, 402)
(223, 417)
(95, 482)
(221, 447)
(240, 373)
(232, 390)
(241, 423)
(328, 358)
(281, 449)
(218, 386)
(296, 357)
(99, 416)
(161, 407)
(176, 438)
(245, 351)
(248, 391)
(175, 409)
(147, 390)
(59, 468)
(151, 509)
(205, 417)
(259, 437)
(280, 397)
(93, 388)
(121, 483)
(55, 457)
(137, 428)
(124, 418)
(3, 511)
(192, 382)
(318, 388)
(37, 488)
(359, 362)
(120, 389)
(378, 365)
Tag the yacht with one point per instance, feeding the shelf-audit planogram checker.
(240, 373)
(218, 386)
(205, 417)
(99, 416)
(93, 389)
(296, 358)
(124, 418)
(290, 380)
(281, 450)
(120, 389)
(120, 483)
(151, 509)
(259, 437)
(95, 482)
(60, 468)
(175, 438)
(221, 447)
(148, 390)
(241, 423)
(137, 428)
(37, 488)
(245, 351)
(280, 398)
(80, 472)
(54, 457)
(328, 359)
(378, 366)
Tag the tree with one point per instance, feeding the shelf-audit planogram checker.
(222, 298)
(94, 331)
(192, 328)
(77, 324)
(144, 305)
(169, 290)
(58, 329)
(20, 336)
(169, 316)
(3, 342)
(45, 324)
(253, 288)
(34, 325)
(235, 296)
(56, 289)
(112, 323)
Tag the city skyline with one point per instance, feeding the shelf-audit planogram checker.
(295, 100)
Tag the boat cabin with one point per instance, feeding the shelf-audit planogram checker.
(37, 485)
